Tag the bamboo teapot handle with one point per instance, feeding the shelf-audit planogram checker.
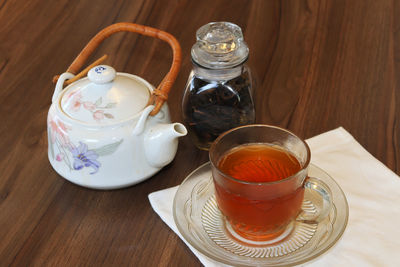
(159, 95)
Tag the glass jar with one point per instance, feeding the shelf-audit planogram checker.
(218, 94)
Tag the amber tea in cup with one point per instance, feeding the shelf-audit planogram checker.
(259, 163)
(260, 175)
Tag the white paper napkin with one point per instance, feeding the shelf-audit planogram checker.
(372, 236)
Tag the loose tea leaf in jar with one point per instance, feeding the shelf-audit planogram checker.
(213, 107)
(218, 93)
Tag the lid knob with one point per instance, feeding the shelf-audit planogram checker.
(101, 74)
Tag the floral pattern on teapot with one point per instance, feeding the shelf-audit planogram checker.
(97, 108)
(75, 157)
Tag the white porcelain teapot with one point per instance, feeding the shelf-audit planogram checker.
(111, 130)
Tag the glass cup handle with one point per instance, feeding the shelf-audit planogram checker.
(322, 199)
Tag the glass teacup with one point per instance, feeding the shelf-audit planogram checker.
(260, 173)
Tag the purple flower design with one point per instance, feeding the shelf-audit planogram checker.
(85, 158)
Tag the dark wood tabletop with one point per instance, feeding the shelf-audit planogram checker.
(318, 65)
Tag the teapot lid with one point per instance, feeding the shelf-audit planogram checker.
(105, 97)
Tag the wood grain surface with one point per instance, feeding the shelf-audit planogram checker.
(319, 65)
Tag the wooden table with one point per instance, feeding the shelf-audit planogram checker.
(319, 65)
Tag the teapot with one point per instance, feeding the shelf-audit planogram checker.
(111, 129)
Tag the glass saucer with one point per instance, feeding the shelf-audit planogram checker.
(200, 222)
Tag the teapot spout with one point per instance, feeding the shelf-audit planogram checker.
(161, 143)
